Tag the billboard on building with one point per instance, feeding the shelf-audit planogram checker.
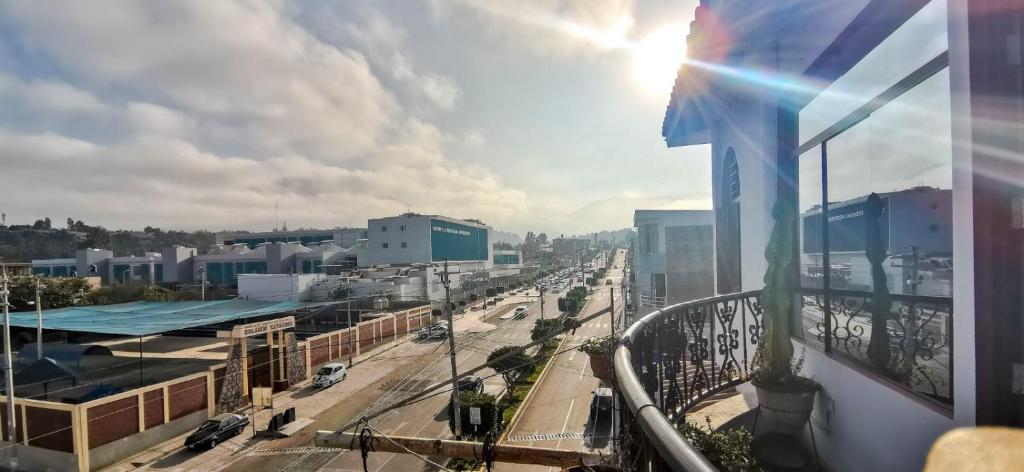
(457, 242)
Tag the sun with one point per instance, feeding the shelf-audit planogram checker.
(657, 57)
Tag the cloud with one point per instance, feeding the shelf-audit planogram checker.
(555, 27)
(385, 43)
(205, 114)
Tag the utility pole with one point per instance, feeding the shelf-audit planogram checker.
(611, 312)
(542, 304)
(8, 367)
(457, 418)
(39, 320)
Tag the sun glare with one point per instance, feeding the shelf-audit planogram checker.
(657, 57)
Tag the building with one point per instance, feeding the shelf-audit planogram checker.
(569, 247)
(342, 237)
(423, 239)
(170, 265)
(673, 259)
(812, 103)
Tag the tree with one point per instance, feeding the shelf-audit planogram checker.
(487, 405)
(511, 368)
(341, 293)
(58, 292)
(544, 328)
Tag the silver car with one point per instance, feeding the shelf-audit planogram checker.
(329, 374)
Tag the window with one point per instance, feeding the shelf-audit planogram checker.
(401, 228)
(727, 237)
(404, 245)
(384, 245)
(383, 229)
(875, 215)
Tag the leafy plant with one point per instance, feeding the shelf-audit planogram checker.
(773, 361)
(512, 368)
(728, 450)
(544, 328)
(599, 346)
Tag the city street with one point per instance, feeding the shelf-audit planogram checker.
(557, 414)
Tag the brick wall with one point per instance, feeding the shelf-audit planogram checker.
(50, 429)
(187, 397)
(153, 406)
(112, 421)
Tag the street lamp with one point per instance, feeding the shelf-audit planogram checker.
(124, 276)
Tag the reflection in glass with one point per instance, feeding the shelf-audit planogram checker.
(887, 257)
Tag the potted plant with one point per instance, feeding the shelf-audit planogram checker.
(600, 351)
(785, 398)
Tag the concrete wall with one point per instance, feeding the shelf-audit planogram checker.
(177, 264)
(277, 287)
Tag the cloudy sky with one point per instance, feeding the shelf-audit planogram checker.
(540, 115)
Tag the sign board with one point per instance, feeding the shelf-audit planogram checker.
(262, 327)
(262, 397)
(474, 415)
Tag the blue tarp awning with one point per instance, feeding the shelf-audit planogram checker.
(145, 318)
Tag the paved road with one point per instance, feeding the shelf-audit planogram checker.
(429, 418)
(560, 406)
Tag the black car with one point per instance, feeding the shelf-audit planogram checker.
(216, 430)
(470, 383)
(601, 406)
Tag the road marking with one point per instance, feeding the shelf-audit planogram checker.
(584, 369)
(568, 414)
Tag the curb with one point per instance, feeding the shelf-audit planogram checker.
(529, 395)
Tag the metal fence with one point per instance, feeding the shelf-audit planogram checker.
(671, 360)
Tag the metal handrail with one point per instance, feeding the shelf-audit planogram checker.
(672, 448)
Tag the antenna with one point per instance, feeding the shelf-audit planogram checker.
(275, 215)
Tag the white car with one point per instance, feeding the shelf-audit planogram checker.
(329, 374)
(520, 312)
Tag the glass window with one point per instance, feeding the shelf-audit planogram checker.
(159, 273)
(383, 229)
(405, 244)
(876, 240)
(384, 245)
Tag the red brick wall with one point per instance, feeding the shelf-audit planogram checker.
(112, 421)
(187, 397)
(3, 421)
(400, 321)
(319, 354)
(366, 336)
(153, 406)
(387, 327)
(50, 429)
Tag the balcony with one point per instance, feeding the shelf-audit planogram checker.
(673, 359)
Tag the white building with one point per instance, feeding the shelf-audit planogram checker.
(416, 239)
(673, 260)
(816, 102)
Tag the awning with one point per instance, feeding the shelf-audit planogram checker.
(146, 318)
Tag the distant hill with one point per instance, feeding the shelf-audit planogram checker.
(22, 243)
(612, 236)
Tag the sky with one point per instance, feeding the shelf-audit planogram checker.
(534, 115)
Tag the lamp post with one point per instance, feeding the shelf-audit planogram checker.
(39, 320)
(124, 276)
(202, 283)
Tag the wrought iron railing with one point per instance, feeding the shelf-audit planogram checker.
(671, 360)
(916, 346)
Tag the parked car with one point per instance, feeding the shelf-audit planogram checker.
(520, 312)
(601, 406)
(216, 430)
(431, 332)
(470, 383)
(608, 282)
(329, 374)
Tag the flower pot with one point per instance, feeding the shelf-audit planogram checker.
(784, 411)
(601, 366)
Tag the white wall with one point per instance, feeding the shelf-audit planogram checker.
(416, 236)
(277, 287)
(861, 424)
